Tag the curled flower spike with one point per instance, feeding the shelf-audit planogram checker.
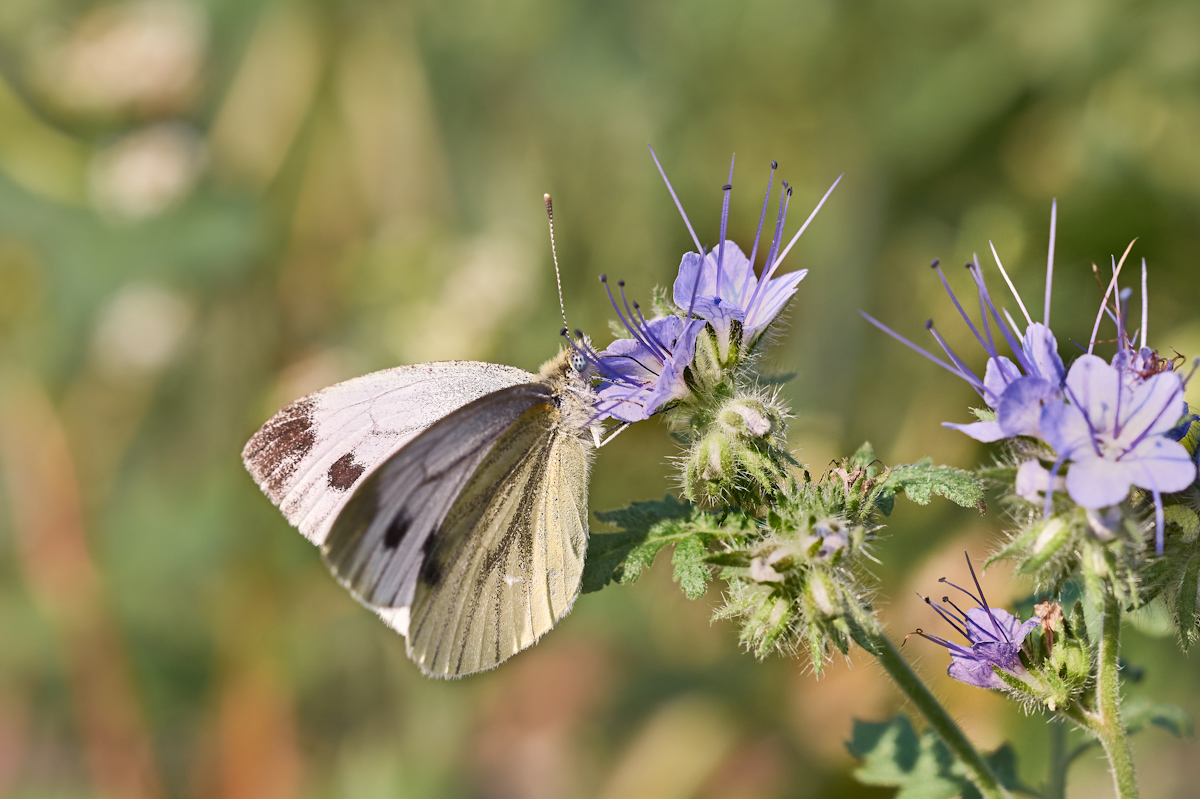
(994, 638)
(722, 288)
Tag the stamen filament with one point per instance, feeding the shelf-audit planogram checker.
(804, 227)
(678, 204)
(724, 223)
(1104, 302)
(1145, 306)
(1011, 287)
(1050, 260)
(758, 234)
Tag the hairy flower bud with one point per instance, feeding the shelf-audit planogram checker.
(748, 417)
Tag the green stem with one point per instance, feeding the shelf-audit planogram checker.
(867, 633)
(1056, 786)
(1109, 728)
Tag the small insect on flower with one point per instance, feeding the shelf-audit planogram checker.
(994, 638)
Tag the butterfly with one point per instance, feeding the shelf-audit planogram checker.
(449, 497)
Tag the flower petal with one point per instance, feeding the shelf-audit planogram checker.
(771, 300)
(1041, 349)
(1020, 410)
(987, 432)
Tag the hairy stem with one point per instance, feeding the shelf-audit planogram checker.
(870, 636)
(1109, 728)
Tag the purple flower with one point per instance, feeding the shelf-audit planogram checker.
(1014, 388)
(721, 287)
(1116, 425)
(994, 638)
(639, 375)
(1115, 432)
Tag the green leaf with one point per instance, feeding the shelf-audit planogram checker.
(1172, 718)
(921, 767)
(645, 529)
(691, 572)
(920, 481)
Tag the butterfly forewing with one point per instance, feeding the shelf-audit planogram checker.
(310, 456)
(507, 561)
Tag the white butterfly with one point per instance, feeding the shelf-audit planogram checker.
(450, 497)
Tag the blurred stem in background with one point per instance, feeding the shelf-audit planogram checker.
(53, 555)
(870, 636)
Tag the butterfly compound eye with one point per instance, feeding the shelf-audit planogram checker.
(577, 362)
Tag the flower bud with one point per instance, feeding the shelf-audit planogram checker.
(747, 418)
(822, 595)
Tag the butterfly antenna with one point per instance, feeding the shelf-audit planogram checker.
(554, 254)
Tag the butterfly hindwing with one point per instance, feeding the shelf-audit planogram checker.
(310, 456)
(507, 561)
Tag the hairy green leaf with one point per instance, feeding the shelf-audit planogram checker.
(921, 480)
(921, 767)
(645, 528)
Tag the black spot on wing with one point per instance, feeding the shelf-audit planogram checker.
(396, 530)
(431, 569)
(345, 472)
(275, 452)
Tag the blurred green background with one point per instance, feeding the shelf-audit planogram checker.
(208, 209)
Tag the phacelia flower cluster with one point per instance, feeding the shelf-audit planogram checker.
(1111, 426)
(649, 371)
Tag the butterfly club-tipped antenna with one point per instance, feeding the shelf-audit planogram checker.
(554, 254)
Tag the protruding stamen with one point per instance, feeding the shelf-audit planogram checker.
(1112, 284)
(696, 286)
(724, 223)
(628, 324)
(646, 326)
(1011, 287)
(1145, 306)
(785, 197)
(674, 197)
(951, 620)
(761, 219)
(1050, 260)
(1009, 334)
(964, 370)
(986, 344)
(641, 329)
(914, 347)
(804, 227)
(983, 599)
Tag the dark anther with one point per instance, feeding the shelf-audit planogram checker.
(579, 332)
(789, 191)
(941, 579)
(621, 283)
(929, 324)
(635, 304)
(727, 187)
(935, 263)
(562, 332)
(774, 165)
